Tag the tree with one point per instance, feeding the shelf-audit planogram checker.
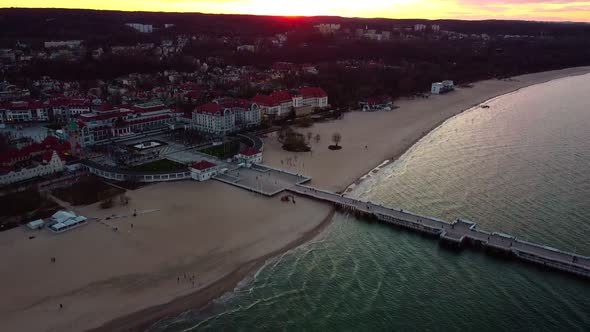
(336, 138)
(317, 138)
(309, 136)
(107, 203)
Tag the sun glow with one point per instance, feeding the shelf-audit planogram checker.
(431, 9)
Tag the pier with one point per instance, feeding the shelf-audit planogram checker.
(458, 232)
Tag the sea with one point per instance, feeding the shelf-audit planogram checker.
(517, 164)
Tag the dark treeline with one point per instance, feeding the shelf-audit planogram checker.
(41, 24)
(404, 67)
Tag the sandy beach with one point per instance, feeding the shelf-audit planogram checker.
(387, 135)
(207, 230)
(125, 279)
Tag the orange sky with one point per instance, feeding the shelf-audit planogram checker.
(551, 10)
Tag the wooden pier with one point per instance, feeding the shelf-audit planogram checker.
(458, 232)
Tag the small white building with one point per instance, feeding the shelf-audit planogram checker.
(442, 87)
(203, 170)
(36, 224)
(63, 43)
(249, 157)
(143, 28)
(65, 220)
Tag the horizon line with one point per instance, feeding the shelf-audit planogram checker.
(295, 16)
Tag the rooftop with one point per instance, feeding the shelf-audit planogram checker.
(203, 165)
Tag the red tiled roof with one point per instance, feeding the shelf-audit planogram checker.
(250, 152)
(47, 156)
(22, 105)
(313, 92)
(203, 165)
(157, 118)
(156, 108)
(106, 107)
(274, 99)
(211, 108)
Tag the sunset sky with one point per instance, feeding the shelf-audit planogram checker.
(552, 10)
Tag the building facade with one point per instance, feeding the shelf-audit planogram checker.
(51, 163)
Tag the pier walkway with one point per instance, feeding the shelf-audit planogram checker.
(458, 232)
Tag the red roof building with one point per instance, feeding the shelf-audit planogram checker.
(203, 165)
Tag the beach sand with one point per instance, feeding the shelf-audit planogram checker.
(387, 135)
(127, 279)
(208, 230)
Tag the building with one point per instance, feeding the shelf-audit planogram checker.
(9, 92)
(51, 163)
(108, 122)
(278, 104)
(246, 48)
(442, 87)
(314, 97)
(203, 170)
(419, 27)
(62, 221)
(249, 157)
(376, 104)
(214, 119)
(326, 29)
(30, 150)
(63, 43)
(67, 108)
(23, 111)
(282, 103)
(435, 28)
(143, 28)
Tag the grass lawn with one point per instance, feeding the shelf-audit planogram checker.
(223, 151)
(163, 165)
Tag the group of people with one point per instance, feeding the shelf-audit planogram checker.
(191, 279)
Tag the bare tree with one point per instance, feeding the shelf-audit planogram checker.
(336, 138)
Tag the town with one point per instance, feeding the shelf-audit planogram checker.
(154, 162)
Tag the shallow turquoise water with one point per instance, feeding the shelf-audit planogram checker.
(521, 167)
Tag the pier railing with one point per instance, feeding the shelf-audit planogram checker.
(458, 232)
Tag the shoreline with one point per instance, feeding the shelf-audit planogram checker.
(396, 157)
(203, 299)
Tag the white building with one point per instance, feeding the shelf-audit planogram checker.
(313, 96)
(435, 28)
(327, 28)
(63, 43)
(214, 119)
(143, 28)
(246, 48)
(442, 87)
(249, 157)
(51, 164)
(23, 111)
(204, 170)
(420, 27)
(282, 103)
(65, 220)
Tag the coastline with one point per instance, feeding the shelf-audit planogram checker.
(393, 134)
(179, 305)
(202, 299)
(339, 171)
(409, 147)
